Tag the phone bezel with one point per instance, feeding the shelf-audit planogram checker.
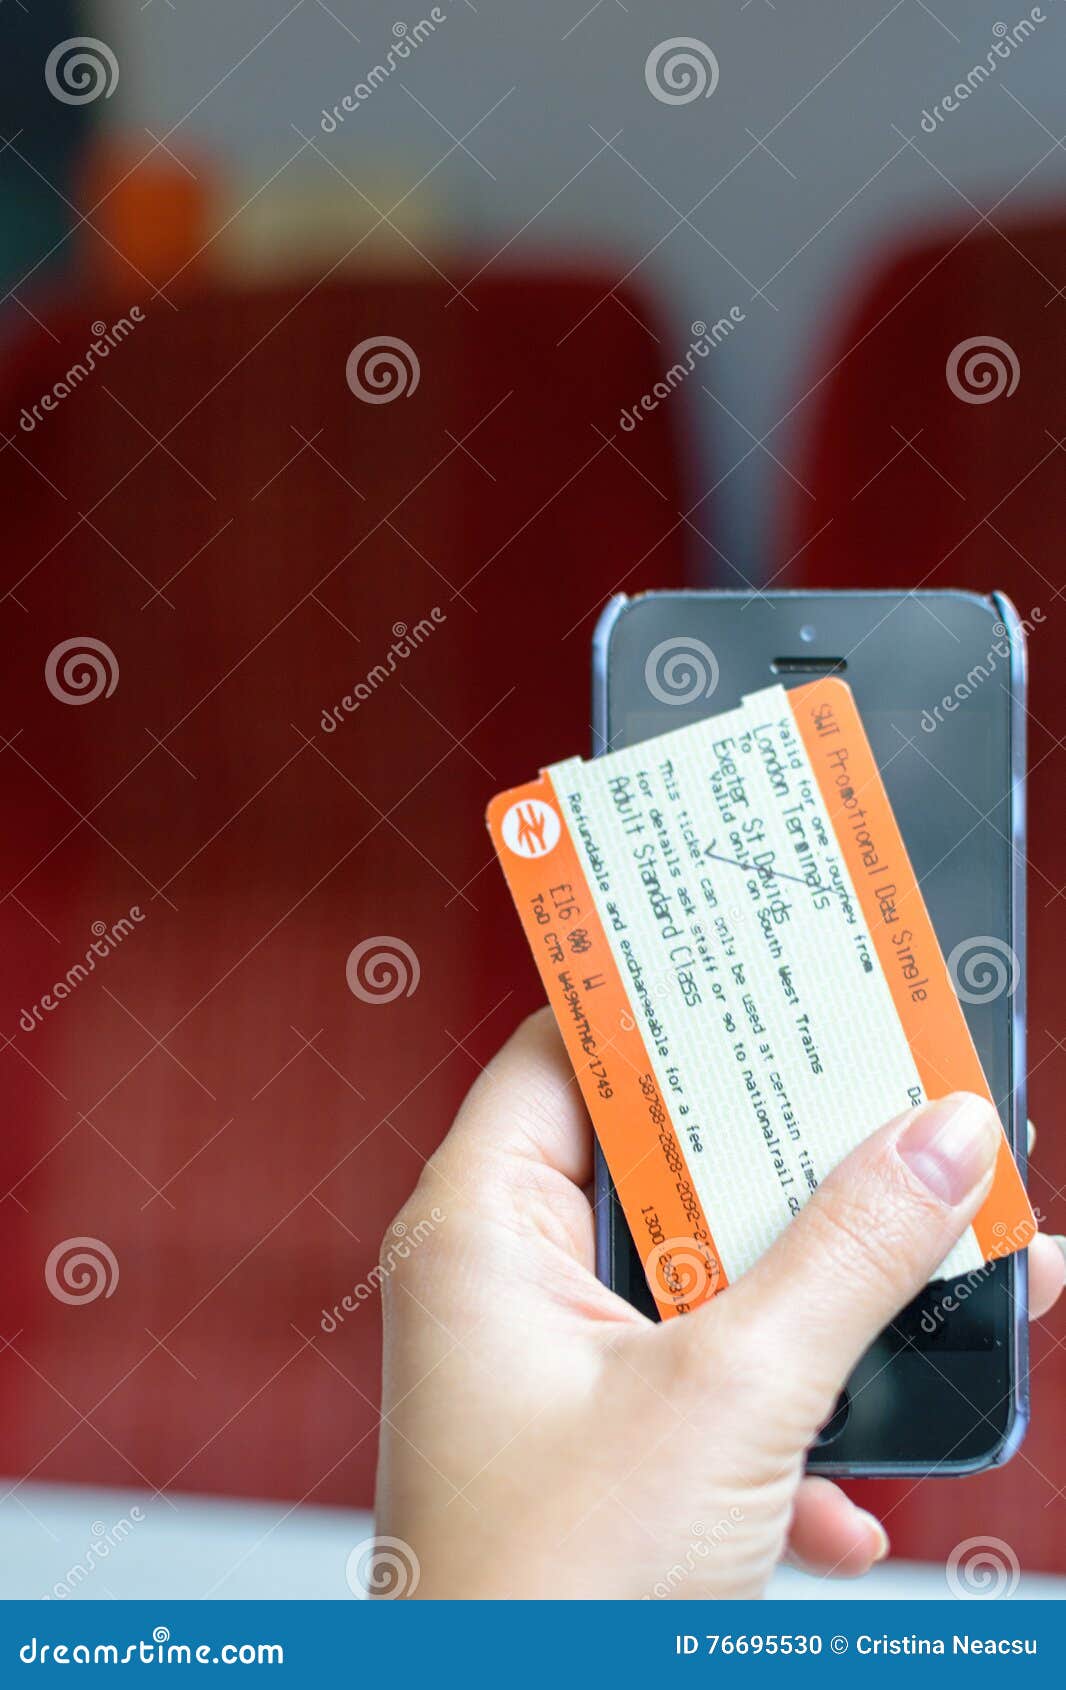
(609, 1216)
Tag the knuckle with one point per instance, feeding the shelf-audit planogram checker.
(874, 1240)
(742, 1357)
(845, 1229)
(731, 1358)
(535, 1111)
(776, 1393)
(762, 1397)
(414, 1235)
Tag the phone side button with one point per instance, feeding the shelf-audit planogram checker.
(836, 1422)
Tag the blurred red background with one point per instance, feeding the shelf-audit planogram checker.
(214, 1103)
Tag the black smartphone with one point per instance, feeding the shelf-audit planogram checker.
(939, 680)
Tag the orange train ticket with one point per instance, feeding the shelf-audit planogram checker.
(741, 963)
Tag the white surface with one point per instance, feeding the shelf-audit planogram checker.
(902, 1581)
(201, 1547)
(184, 1546)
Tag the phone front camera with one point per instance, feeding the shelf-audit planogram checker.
(807, 633)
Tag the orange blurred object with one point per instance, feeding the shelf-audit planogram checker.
(147, 214)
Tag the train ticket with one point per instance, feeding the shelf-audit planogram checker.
(741, 963)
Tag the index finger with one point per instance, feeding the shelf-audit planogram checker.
(526, 1104)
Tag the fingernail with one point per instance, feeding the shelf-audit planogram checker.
(950, 1145)
(879, 1535)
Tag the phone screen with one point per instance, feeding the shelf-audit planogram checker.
(931, 676)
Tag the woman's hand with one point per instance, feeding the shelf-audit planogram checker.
(541, 1438)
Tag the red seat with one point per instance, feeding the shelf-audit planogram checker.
(918, 480)
(253, 544)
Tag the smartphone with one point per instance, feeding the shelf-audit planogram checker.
(939, 680)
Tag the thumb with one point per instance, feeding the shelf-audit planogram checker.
(864, 1245)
